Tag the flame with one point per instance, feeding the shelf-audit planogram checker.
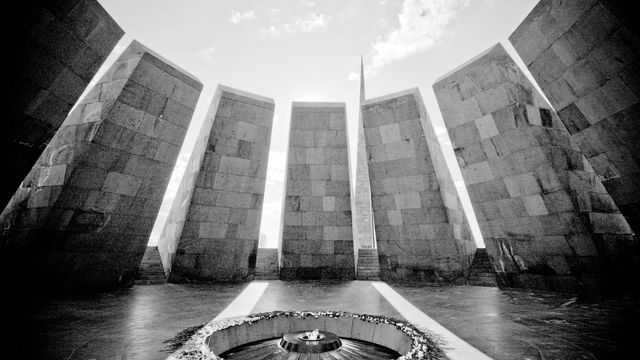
(312, 335)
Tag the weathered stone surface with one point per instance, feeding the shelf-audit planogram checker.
(531, 188)
(421, 231)
(54, 50)
(585, 58)
(215, 220)
(83, 216)
(317, 239)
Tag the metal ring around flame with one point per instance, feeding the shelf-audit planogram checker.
(299, 343)
(304, 337)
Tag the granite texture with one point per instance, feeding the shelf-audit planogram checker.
(219, 237)
(82, 217)
(585, 55)
(546, 218)
(317, 238)
(421, 230)
(54, 50)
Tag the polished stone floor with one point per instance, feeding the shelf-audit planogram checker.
(137, 323)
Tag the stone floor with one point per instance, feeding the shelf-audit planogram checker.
(136, 323)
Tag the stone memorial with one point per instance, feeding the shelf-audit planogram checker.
(585, 56)
(317, 238)
(55, 48)
(421, 230)
(82, 217)
(545, 216)
(219, 237)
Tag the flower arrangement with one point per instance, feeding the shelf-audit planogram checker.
(424, 346)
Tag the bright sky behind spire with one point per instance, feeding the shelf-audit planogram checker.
(305, 50)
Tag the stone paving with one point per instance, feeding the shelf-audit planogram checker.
(136, 323)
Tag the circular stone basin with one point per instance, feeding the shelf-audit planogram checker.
(279, 335)
(300, 343)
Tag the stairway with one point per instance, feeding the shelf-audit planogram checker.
(481, 272)
(368, 265)
(267, 264)
(150, 271)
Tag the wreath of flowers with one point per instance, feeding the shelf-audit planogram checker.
(423, 347)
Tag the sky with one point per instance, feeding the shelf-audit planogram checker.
(309, 50)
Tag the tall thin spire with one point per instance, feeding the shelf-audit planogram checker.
(362, 97)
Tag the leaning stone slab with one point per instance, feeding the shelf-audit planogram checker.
(82, 217)
(547, 220)
(421, 230)
(317, 239)
(54, 49)
(584, 55)
(214, 224)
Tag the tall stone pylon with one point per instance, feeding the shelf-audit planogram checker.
(365, 236)
(215, 224)
(317, 236)
(55, 49)
(421, 230)
(83, 216)
(545, 216)
(584, 55)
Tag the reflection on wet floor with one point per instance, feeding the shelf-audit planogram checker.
(136, 323)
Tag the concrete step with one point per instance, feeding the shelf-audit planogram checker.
(149, 282)
(366, 273)
(368, 265)
(150, 271)
(481, 272)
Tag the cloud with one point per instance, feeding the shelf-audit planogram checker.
(236, 16)
(205, 53)
(353, 76)
(308, 3)
(422, 23)
(305, 24)
(270, 31)
(490, 3)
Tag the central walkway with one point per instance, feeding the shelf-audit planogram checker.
(139, 323)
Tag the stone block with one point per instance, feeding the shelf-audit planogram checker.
(520, 185)
(477, 173)
(535, 205)
(486, 126)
